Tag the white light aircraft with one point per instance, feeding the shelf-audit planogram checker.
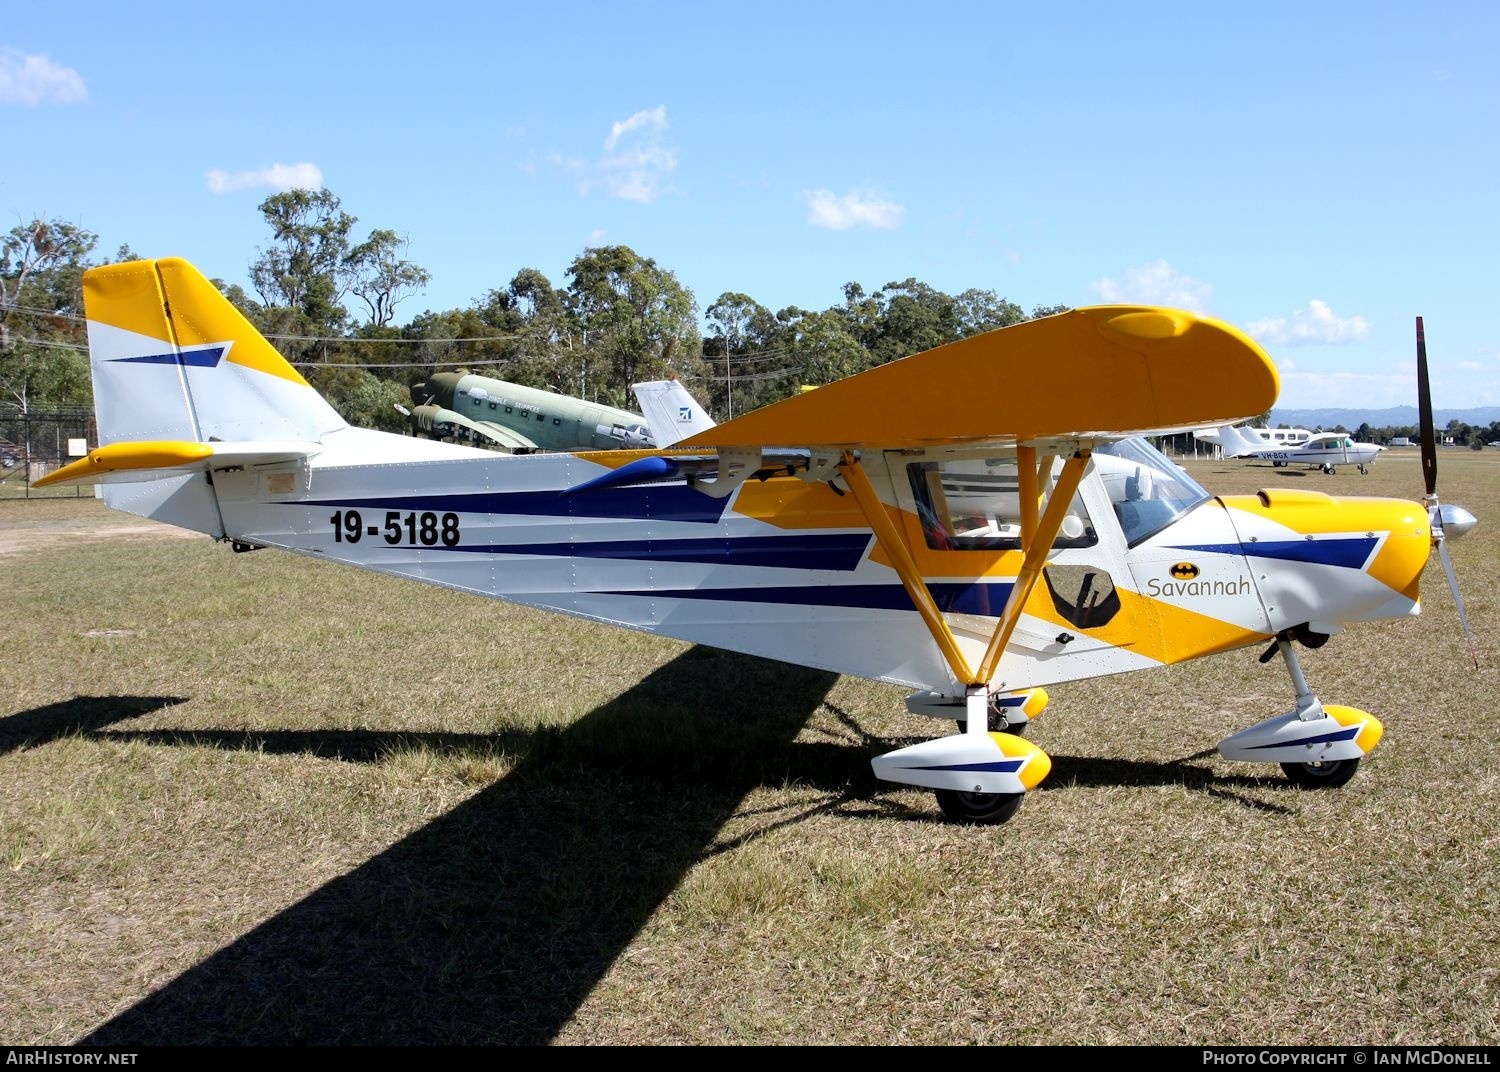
(977, 523)
(1273, 437)
(1325, 450)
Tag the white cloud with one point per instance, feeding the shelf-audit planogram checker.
(636, 161)
(635, 164)
(1157, 283)
(857, 208)
(653, 119)
(31, 79)
(280, 177)
(1317, 325)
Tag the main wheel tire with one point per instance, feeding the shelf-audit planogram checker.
(989, 809)
(1329, 775)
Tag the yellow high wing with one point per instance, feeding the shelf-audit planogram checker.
(1047, 388)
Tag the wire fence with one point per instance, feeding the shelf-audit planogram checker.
(34, 443)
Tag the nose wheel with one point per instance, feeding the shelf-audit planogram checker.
(1329, 774)
(988, 809)
(1317, 746)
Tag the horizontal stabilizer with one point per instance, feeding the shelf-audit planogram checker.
(154, 459)
(1097, 372)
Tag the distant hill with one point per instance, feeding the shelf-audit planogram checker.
(1395, 417)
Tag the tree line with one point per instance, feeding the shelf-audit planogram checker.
(1456, 433)
(328, 301)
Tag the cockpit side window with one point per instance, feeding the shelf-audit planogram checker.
(973, 504)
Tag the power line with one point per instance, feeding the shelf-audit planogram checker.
(344, 339)
(44, 312)
(340, 339)
(488, 363)
(48, 344)
(402, 364)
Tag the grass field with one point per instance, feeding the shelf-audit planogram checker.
(258, 798)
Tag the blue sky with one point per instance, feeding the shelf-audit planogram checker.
(1317, 174)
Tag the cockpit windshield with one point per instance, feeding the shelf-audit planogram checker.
(1147, 490)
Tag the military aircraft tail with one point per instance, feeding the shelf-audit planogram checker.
(671, 412)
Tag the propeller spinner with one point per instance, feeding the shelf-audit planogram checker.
(1445, 521)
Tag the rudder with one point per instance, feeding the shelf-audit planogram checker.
(173, 360)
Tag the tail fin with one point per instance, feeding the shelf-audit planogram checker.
(672, 413)
(173, 359)
(1237, 444)
(180, 378)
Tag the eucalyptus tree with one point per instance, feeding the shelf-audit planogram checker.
(382, 275)
(743, 346)
(42, 339)
(978, 311)
(312, 265)
(821, 345)
(635, 316)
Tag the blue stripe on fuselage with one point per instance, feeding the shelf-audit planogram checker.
(1350, 552)
(835, 551)
(656, 502)
(983, 599)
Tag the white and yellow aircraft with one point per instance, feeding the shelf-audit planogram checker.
(976, 522)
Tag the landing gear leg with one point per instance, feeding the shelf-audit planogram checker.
(975, 807)
(1318, 774)
(1318, 747)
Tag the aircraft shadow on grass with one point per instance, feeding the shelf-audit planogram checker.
(493, 923)
(80, 716)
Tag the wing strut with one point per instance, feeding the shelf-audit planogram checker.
(1044, 531)
(1058, 502)
(1026, 471)
(891, 543)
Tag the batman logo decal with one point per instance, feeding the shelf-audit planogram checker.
(1184, 571)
